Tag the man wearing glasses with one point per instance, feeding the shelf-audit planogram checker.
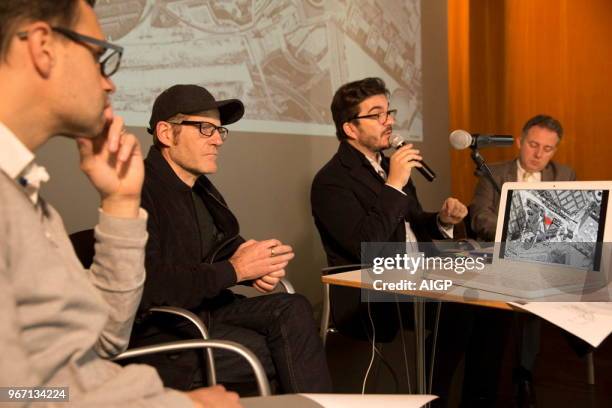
(195, 253)
(363, 196)
(60, 323)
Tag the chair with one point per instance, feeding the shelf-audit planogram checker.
(326, 315)
(83, 243)
(341, 321)
(344, 312)
(260, 375)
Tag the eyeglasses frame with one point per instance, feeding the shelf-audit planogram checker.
(87, 40)
(199, 124)
(376, 116)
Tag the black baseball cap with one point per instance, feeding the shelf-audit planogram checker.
(188, 99)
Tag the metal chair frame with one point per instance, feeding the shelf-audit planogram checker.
(204, 343)
(260, 374)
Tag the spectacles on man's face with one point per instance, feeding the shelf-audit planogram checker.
(207, 129)
(381, 117)
(108, 55)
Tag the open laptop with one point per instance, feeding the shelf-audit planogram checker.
(552, 238)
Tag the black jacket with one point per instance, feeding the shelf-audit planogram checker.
(176, 273)
(351, 204)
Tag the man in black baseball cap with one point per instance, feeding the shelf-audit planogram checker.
(188, 99)
(195, 253)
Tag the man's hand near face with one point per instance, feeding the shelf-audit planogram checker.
(401, 164)
(113, 162)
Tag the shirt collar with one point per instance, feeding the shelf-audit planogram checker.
(537, 175)
(14, 156)
(519, 167)
(375, 162)
(17, 161)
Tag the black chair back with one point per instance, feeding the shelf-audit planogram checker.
(84, 243)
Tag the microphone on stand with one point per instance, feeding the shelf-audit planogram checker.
(460, 139)
(396, 141)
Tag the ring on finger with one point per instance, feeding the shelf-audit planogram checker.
(272, 254)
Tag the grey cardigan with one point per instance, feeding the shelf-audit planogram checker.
(59, 322)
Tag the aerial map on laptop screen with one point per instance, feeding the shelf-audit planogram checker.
(555, 227)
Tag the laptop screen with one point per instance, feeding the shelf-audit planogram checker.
(562, 227)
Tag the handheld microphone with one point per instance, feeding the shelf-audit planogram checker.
(460, 139)
(396, 141)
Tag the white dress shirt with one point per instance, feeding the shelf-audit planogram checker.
(526, 176)
(17, 161)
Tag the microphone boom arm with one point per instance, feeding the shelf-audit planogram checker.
(482, 168)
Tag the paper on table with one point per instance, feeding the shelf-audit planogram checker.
(370, 400)
(590, 321)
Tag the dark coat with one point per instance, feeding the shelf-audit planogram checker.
(177, 273)
(352, 204)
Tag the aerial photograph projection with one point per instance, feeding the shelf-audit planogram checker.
(554, 226)
(283, 58)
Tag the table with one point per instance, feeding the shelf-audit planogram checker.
(457, 294)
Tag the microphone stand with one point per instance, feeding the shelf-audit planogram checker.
(482, 168)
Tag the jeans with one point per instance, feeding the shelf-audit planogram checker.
(279, 328)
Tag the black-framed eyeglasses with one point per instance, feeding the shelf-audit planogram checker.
(206, 128)
(108, 55)
(381, 117)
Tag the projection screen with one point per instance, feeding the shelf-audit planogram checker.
(283, 58)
